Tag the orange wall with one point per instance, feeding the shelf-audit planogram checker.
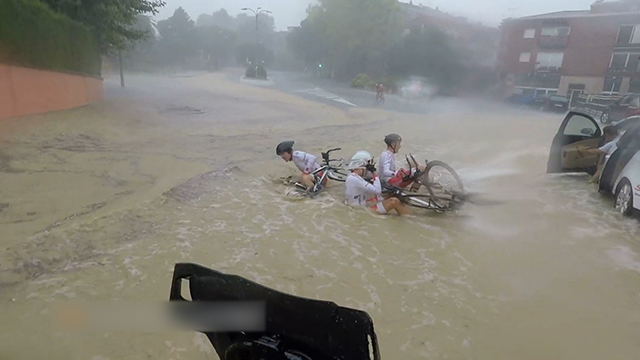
(26, 91)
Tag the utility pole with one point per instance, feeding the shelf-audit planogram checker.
(120, 66)
(257, 13)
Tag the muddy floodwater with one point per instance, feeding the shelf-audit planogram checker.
(99, 203)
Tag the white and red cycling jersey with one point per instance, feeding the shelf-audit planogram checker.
(307, 163)
(388, 172)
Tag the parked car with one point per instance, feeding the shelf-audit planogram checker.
(625, 124)
(627, 106)
(621, 173)
(556, 103)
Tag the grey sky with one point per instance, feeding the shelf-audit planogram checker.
(291, 12)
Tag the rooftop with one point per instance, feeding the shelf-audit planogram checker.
(558, 15)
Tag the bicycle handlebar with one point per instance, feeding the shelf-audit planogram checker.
(325, 155)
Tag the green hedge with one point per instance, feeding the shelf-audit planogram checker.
(33, 35)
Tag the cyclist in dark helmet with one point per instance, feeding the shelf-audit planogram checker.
(388, 171)
(307, 163)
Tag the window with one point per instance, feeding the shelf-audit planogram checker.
(612, 84)
(580, 126)
(628, 34)
(550, 60)
(634, 86)
(525, 57)
(529, 33)
(625, 61)
(632, 62)
(556, 31)
(618, 61)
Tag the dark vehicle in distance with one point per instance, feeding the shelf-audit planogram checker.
(552, 102)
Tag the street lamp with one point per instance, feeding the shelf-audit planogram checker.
(257, 12)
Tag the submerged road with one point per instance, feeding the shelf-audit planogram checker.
(99, 203)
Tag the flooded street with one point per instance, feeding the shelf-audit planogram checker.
(99, 203)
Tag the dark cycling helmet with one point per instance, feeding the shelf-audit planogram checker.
(285, 146)
(391, 138)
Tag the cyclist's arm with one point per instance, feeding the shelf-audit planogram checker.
(375, 188)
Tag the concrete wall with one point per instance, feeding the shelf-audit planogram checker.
(25, 91)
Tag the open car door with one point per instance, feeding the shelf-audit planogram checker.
(577, 129)
(321, 330)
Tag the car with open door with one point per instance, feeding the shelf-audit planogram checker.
(576, 130)
(621, 173)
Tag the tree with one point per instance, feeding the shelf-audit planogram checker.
(112, 21)
(245, 26)
(254, 54)
(306, 43)
(355, 34)
(177, 35)
(143, 53)
(217, 45)
(428, 53)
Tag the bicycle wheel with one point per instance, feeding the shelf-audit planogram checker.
(443, 183)
(337, 175)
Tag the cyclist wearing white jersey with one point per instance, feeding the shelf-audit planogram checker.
(388, 172)
(359, 191)
(305, 162)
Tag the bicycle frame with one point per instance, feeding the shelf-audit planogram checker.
(326, 169)
(422, 201)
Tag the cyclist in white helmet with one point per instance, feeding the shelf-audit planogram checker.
(359, 191)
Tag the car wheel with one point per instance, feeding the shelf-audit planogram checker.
(624, 198)
(604, 118)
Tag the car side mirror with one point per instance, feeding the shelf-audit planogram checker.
(587, 131)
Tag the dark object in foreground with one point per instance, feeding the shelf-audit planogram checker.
(296, 328)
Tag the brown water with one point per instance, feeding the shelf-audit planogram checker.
(100, 202)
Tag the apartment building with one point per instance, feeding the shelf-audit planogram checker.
(594, 51)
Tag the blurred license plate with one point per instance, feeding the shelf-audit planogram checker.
(558, 105)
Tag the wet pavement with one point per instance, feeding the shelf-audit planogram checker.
(98, 203)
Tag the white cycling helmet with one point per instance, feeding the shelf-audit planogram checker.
(359, 160)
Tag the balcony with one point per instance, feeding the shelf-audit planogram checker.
(553, 42)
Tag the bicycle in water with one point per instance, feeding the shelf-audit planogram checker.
(330, 168)
(445, 191)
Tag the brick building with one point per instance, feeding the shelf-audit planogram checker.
(594, 51)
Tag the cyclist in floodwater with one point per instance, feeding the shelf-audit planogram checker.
(359, 191)
(388, 173)
(307, 163)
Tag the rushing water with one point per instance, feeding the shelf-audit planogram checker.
(101, 202)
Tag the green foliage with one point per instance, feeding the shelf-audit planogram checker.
(261, 72)
(362, 81)
(254, 54)
(254, 72)
(217, 45)
(251, 72)
(111, 21)
(177, 35)
(427, 53)
(31, 34)
(354, 35)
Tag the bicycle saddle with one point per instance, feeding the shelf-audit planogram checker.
(296, 328)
